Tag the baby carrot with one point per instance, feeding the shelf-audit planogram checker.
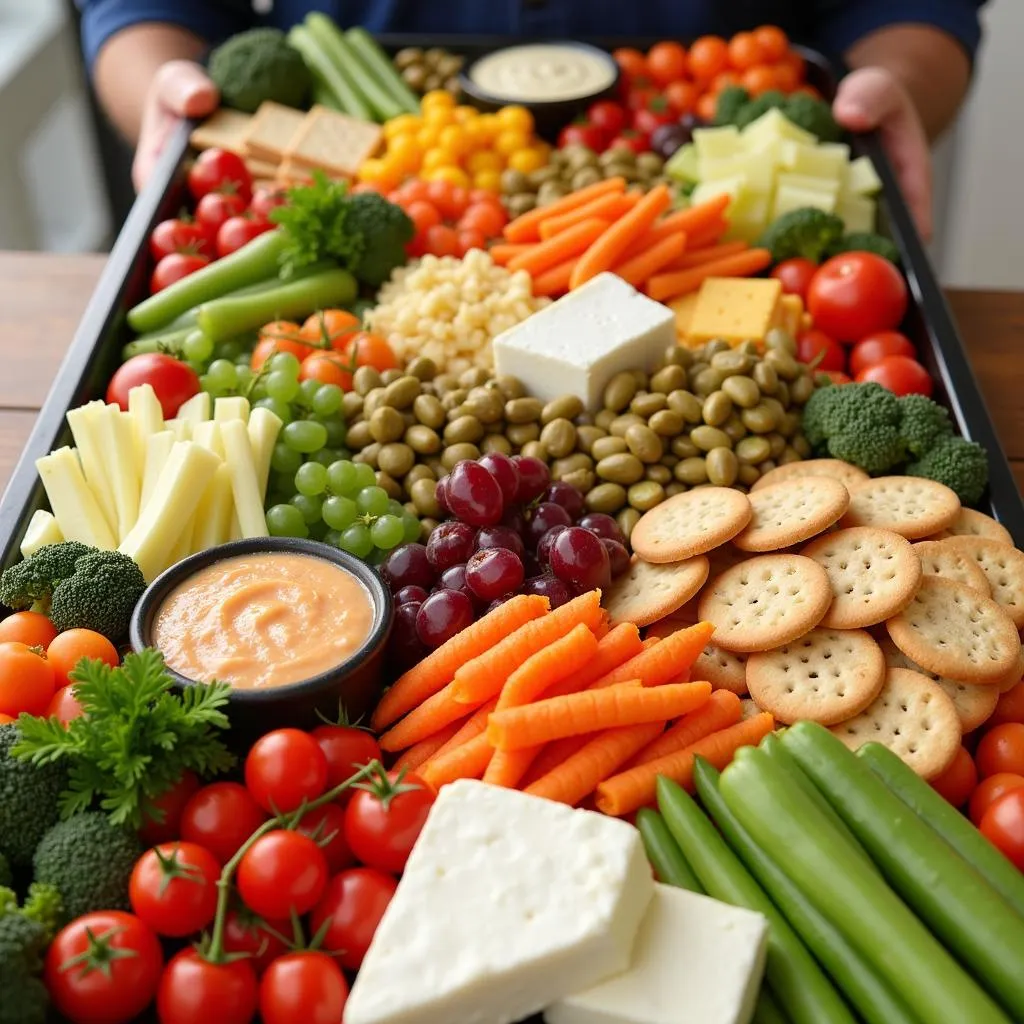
(707, 253)
(695, 218)
(591, 711)
(722, 710)
(504, 251)
(526, 227)
(682, 282)
(649, 261)
(637, 787)
(664, 660)
(470, 728)
(432, 715)
(437, 668)
(607, 207)
(551, 755)
(466, 762)
(419, 753)
(556, 280)
(698, 238)
(561, 247)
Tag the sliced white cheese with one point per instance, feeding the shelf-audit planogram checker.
(196, 409)
(857, 212)
(212, 522)
(773, 124)
(577, 344)
(231, 407)
(158, 447)
(147, 419)
(74, 504)
(717, 143)
(181, 428)
(122, 467)
(508, 903)
(264, 427)
(42, 530)
(696, 961)
(861, 177)
(244, 485)
(85, 429)
(207, 434)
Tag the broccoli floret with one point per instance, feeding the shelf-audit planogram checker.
(32, 581)
(387, 230)
(867, 241)
(807, 232)
(29, 795)
(100, 595)
(731, 100)
(959, 464)
(751, 111)
(923, 424)
(89, 861)
(813, 115)
(25, 1000)
(24, 936)
(259, 65)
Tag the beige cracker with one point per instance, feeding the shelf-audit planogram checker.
(913, 717)
(224, 129)
(725, 557)
(907, 505)
(748, 709)
(765, 602)
(334, 142)
(970, 523)
(724, 670)
(690, 524)
(955, 631)
(873, 575)
(825, 676)
(791, 512)
(679, 619)
(1014, 676)
(849, 476)
(941, 558)
(646, 593)
(273, 130)
(1002, 566)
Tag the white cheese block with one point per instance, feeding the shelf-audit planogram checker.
(577, 344)
(697, 961)
(508, 903)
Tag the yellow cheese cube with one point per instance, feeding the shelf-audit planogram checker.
(735, 309)
(789, 314)
(683, 308)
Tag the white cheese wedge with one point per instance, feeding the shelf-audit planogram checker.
(244, 484)
(147, 419)
(197, 408)
(231, 407)
(85, 429)
(508, 903)
(74, 505)
(42, 529)
(158, 448)
(122, 467)
(577, 344)
(264, 426)
(696, 961)
(212, 523)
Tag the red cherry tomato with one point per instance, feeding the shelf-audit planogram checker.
(64, 705)
(648, 119)
(582, 134)
(471, 238)
(900, 374)
(284, 769)
(173, 268)
(875, 347)
(281, 873)
(813, 344)
(180, 234)
(442, 240)
(239, 231)
(795, 275)
(666, 62)
(1001, 750)
(170, 807)
(487, 218)
(220, 817)
(631, 140)
(193, 989)
(219, 170)
(246, 932)
(991, 789)
(958, 781)
(305, 986)
(353, 902)
(173, 381)
(347, 749)
(424, 215)
(266, 199)
(856, 293)
(640, 94)
(837, 376)
(173, 888)
(215, 208)
(1003, 826)
(326, 827)
(607, 116)
(632, 62)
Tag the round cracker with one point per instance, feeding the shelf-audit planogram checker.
(849, 476)
(908, 505)
(825, 676)
(748, 709)
(791, 512)
(765, 602)
(955, 631)
(873, 575)
(679, 619)
(941, 558)
(913, 717)
(724, 670)
(971, 523)
(690, 524)
(645, 592)
(1002, 565)
(725, 557)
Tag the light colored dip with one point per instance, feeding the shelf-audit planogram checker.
(263, 620)
(542, 72)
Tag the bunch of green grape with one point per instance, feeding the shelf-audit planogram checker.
(342, 505)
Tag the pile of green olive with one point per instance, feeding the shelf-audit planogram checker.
(425, 70)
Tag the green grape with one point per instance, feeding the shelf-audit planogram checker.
(286, 363)
(286, 521)
(285, 460)
(411, 528)
(395, 508)
(304, 436)
(311, 479)
(197, 347)
(207, 385)
(242, 362)
(387, 532)
(342, 478)
(281, 385)
(309, 507)
(245, 376)
(196, 368)
(372, 501)
(229, 350)
(222, 374)
(365, 476)
(376, 557)
(332, 537)
(336, 432)
(307, 389)
(327, 400)
(339, 513)
(282, 410)
(356, 540)
(318, 530)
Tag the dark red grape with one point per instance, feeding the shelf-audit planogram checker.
(441, 494)
(473, 495)
(578, 557)
(449, 544)
(404, 646)
(546, 515)
(547, 586)
(544, 544)
(603, 525)
(500, 537)
(531, 567)
(534, 478)
(454, 578)
(503, 469)
(496, 603)
(567, 496)
(443, 615)
(494, 572)
(515, 520)
(408, 566)
(411, 594)
(618, 556)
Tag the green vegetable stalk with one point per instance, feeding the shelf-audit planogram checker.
(663, 852)
(375, 60)
(327, 74)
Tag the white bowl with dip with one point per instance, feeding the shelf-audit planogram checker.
(293, 626)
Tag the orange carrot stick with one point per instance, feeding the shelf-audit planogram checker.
(721, 710)
(526, 227)
(419, 753)
(607, 249)
(682, 282)
(591, 711)
(577, 776)
(475, 724)
(607, 207)
(696, 218)
(649, 261)
(707, 235)
(504, 251)
(636, 787)
(561, 247)
(437, 668)
(483, 677)
(707, 253)
(433, 714)
(466, 762)
(551, 755)
(556, 280)
(662, 661)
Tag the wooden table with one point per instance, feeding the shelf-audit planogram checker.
(42, 297)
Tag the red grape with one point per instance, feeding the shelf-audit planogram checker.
(441, 494)
(544, 544)
(515, 520)
(533, 478)
(449, 544)
(404, 646)
(410, 594)
(500, 537)
(503, 469)
(567, 496)
(493, 573)
(546, 515)
(554, 590)
(578, 557)
(618, 556)
(473, 494)
(454, 578)
(603, 525)
(443, 615)
(407, 566)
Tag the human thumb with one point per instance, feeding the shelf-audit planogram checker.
(185, 89)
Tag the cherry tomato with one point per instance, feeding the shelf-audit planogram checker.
(900, 374)
(26, 680)
(1010, 707)
(650, 118)
(246, 932)
(239, 231)
(219, 170)
(71, 646)
(856, 293)
(1003, 826)
(744, 51)
(812, 344)
(471, 238)
(275, 337)
(370, 349)
(608, 116)
(632, 62)
(488, 218)
(169, 806)
(795, 275)
(64, 706)
(6, 719)
(787, 76)
(424, 215)
(991, 789)
(354, 902)
(759, 78)
(706, 106)
(103, 968)
(284, 769)
(1001, 750)
(631, 140)
(450, 200)
(682, 96)
(442, 240)
(875, 347)
(328, 368)
(265, 199)
(173, 888)
(30, 628)
(723, 80)
(180, 234)
(215, 208)
(173, 268)
(708, 55)
(666, 62)
(837, 376)
(326, 827)
(333, 329)
(220, 817)
(193, 989)
(641, 94)
(347, 749)
(173, 381)
(958, 781)
(581, 133)
(307, 986)
(282, 873)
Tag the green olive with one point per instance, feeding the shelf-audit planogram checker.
(587, 437)
(390, 376)
(465, 428)
(717, 408)
(429, 411)
(421, 471)
(401, 393)
(660, 473)
(386, 424)
(645, 495)
(608, 445)
(762, 419)
(585, 176)
(723, 466)
(389, 484)
(523, 410)
(546, 173)
(605, 497)
(559, 437)
(565, 407)
(779, 340)
(627, 519)
(359, 436)
(748, 475)
(442, 383)
(496, 443)
(474, 377)
(687, 405)
(365, 379)
(522, 433)
(519, 203)
(801, 389)
(789, 424)
(732, 362)
(509, 386)
(752, 450)
(351, 405)
(619, 391)
(706, 438)
(644, 443)
(666, 423)
(604, 418)
(372, 401)
(668, 379)
(707, 381)
(424, 497)
(535, 450)
(691, 471)
(742, 390)
(788, 456)
(422, 368)
(765, 377)
(396, 459)
(623, 468)
(456, 453)
(785, 365)
(368, 454)
(428, 524)
(562, 467)
(485, 404)
(683, 448)
(801, 446)
(675, 488)
(734, 427)
(776, 444)
(622, 423)
(782, 393)
(581, 479)
(647, 403)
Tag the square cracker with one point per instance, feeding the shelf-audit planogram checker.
(334, 142)
(224, 129)
(273, 129)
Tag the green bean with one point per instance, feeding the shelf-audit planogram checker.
(169, 342)
(663, 852)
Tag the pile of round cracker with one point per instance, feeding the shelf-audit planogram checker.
(877, 607)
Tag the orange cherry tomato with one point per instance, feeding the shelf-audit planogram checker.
(708, 56)
(991, 789)
(958, 781)
(328, 368)
(1001, 750)
(26, 679)
(450, 200)
(413, 189)
(471, 238)
(31, 628)
(64, 706)
(772, 41)
(632, 62)
(1010, 707)
(706, 106)
(758, 79)
(723, 80)
(373, 350)
(442, 240)
(744, 51)
(808, 90)
(72, 646)
(278, 336)
(793, 60)
(488, 218)
(483, 195)
(330, 329)
(787, 78)
(423, 214)
(681, 96)
(666, 62)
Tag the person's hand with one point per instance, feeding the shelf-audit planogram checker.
(874, 98)
(179, 89)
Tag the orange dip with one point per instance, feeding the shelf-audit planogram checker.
(263, 620)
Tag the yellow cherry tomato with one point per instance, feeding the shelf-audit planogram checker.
(489, 180)
(404, 124)
(464, 114)
(515, 119)
(404, 153)
(453, 175)
(437, 99)
(434, 158)
(484, 160)
(508, 143)
(439, 117)
(453, 140)
(378, 172)
(427, 137)
(489, 126)
(526, 160)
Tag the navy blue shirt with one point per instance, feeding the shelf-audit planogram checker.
(828, 25)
